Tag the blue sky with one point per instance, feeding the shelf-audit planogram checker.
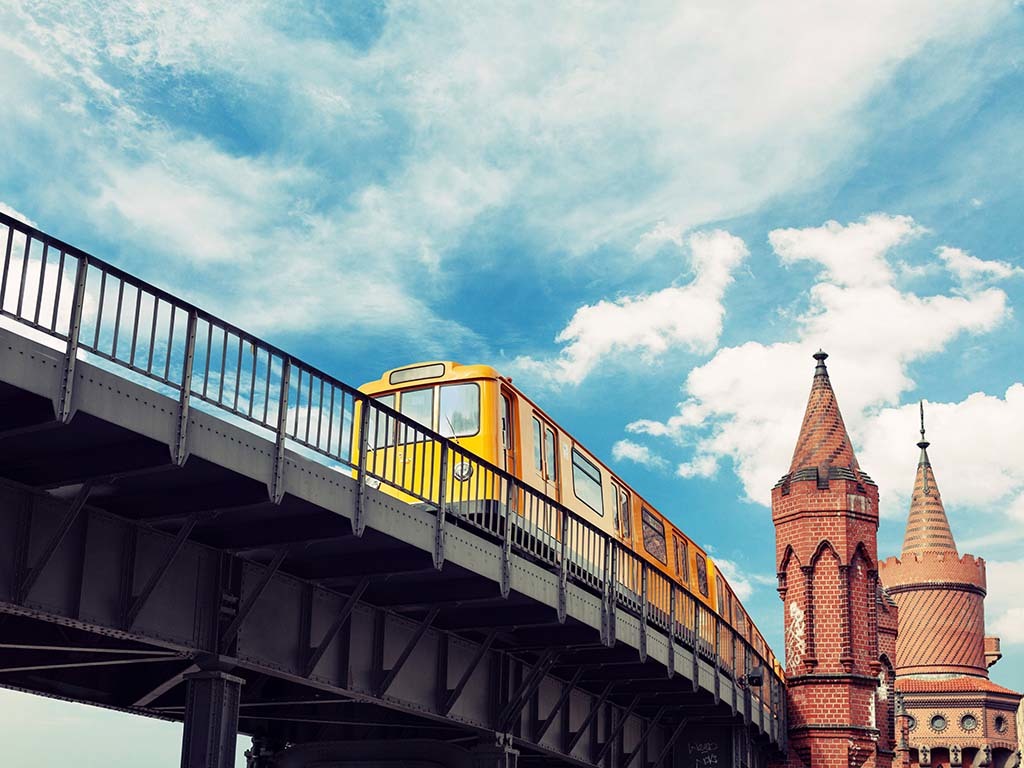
(649, 216)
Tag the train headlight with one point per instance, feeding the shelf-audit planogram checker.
(462, 471)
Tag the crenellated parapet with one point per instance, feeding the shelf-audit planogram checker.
(930, 570)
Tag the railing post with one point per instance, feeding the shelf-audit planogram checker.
(718, 659)
(440, 519)
(671, 630)
(506, 544)
(67, 381)
(644, 603)
(735, 671)
(358, 523)
(276, 487)
(696, 642)
(180, 448)
(607, 619)
(563, 567)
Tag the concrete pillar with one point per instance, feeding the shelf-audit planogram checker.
(211, 720)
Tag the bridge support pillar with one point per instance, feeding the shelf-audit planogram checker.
(211, 720)
(497, 755)
(263, 753)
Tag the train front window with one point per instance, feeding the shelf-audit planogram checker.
(654, 535)
(382, 427)
(586, 482)
(460, 410)
(418, 405)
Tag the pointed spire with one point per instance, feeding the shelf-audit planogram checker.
(927, 527)
(823, 443)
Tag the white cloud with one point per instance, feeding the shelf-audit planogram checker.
(747, 402)
(971, 269)
(978, 464)
(688, 316)
(701, 466)
(1005, 613)
(854, 254)
(627, 450)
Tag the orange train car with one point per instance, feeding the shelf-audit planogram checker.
(487, 416)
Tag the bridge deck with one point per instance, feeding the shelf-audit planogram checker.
(149, 530)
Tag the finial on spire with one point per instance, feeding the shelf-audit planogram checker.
(924, 443)
(821, 357)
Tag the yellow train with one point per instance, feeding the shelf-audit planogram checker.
(487, 417)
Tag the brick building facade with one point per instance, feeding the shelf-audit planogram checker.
(893, 675)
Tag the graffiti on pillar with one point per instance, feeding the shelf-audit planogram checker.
(703, 754)
(796, 636)
(707, 748)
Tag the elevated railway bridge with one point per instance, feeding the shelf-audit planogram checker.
(188, 532)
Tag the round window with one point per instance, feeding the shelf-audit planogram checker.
(938, 723)
(911, 723)
(968, 722)
(1000, 723)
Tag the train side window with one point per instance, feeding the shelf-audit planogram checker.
(654, 535)
(621, 507)
(586, 482)
(550, 454)
(383, 426)
(538, 448)
(418, 405)
(682, 561)
(702, 574)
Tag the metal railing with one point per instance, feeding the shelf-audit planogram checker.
(98, 310)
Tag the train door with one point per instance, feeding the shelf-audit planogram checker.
(684, 608)
(545, 456)
(508, 436)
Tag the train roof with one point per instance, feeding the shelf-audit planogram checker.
(422, 373)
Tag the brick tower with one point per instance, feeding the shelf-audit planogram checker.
(825, 511)
(956, 715)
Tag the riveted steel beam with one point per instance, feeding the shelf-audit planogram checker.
(55, 540)
(250, 601)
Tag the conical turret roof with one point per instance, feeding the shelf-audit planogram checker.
(824, 444)
(928, 527)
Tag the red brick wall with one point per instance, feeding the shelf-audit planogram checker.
(826, 554)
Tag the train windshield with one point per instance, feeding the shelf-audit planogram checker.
(460, 410)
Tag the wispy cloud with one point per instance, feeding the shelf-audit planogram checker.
(647, 325)
(971, 270)
(627, 450)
